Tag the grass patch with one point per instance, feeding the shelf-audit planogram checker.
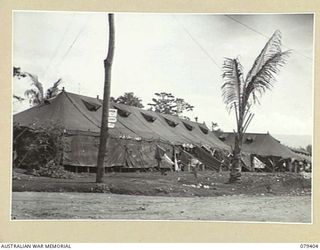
(178, 184)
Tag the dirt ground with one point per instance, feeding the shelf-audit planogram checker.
(270, 197)
(75, 206)
(175, 184)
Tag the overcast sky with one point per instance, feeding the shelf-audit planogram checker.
(177, 53)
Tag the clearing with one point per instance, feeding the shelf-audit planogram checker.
(263, 197)
(75, 206)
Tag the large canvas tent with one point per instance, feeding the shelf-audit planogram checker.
(133, 141)
(260, 145)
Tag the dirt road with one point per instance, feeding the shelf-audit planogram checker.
(53, 206)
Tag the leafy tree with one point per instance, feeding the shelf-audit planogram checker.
(166, 103)
(130, 99)
(240, 93)
(182, 105)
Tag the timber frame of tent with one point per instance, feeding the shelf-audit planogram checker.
(261, 149)
(132, 143)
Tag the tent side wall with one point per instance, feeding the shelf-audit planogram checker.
(82, 150)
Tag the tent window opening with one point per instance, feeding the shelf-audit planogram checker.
(204, 130)
(148, 118)
(222, 138)
(249, 140)
(122, 112)
(91, 106)
(171, 123)
(188, 126)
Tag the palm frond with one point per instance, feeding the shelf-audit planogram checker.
(54, 90)
(33, 96)
(37, 84)
(265, 77)
(272, 47)
(233, 82)
(30, 93)
(19, 98)
(57, 83)
(16, 71)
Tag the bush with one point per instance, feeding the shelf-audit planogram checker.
(51, 169)
(38, 148)
(100, 188)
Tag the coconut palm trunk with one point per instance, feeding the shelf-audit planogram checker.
(241, 93)
(105, 106)
(235, 172)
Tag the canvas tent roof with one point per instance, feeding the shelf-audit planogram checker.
(302, 154)
(260, 144)
(81, 113)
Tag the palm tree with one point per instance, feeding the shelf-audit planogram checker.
(36, 96)
(241, 93)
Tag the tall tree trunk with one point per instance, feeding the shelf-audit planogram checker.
(236, 166)
(105, 107)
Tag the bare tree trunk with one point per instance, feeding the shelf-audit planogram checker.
(105, 107)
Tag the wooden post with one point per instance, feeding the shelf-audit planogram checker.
(105, 106)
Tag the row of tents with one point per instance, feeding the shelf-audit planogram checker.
(135, 140)
(262, 152)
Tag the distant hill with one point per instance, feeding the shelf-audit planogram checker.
(295, 141)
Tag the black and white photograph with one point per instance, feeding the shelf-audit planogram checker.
(127, 116)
